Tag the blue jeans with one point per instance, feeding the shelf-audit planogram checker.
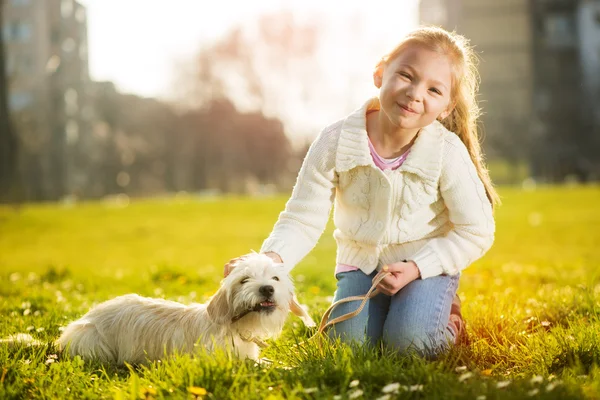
(415, 318)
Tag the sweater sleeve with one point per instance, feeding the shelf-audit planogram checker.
(470, 214)
(306, 213)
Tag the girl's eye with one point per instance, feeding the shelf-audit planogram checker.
(245, 280)
(404, 74)
(434, 90)
(275, 278)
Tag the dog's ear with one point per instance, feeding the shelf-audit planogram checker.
(297, 309)
(219, 309)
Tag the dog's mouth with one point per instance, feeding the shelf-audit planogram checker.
(265, 306)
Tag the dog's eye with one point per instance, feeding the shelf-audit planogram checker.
(244, 280)
(275, 278)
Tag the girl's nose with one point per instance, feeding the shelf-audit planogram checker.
(414, 93)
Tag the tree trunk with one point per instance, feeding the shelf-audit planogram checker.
(8, 141)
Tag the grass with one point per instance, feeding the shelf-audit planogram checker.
(532, 303)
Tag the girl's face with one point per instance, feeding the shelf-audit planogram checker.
(415, 87)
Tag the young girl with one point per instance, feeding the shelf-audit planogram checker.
(411, 193)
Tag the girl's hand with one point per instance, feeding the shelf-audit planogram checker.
(402, 273)
(232, 263)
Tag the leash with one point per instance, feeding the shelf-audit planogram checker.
(249, 338)
(245, 336)
(244, 313)
(373, 291)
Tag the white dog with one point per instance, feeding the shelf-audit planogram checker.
(252, 304)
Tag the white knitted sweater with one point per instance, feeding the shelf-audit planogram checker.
(432, 210)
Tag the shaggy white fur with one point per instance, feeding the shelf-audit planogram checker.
(252, 303)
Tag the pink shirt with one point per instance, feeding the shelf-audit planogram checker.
(382, 164)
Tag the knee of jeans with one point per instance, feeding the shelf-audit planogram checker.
(347, 332)
(426, 342)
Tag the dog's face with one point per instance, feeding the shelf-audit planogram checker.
(255, 296)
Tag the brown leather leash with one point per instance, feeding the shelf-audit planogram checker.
(373, 291)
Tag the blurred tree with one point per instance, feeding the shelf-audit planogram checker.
(131, 143)
(8, 140)
(237, 81)
(143, 147)
(224, 149)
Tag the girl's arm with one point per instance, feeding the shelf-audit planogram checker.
(307, 211)
(470, 213)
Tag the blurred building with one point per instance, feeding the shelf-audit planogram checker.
(566, 54)
(500, 32)
(48, 77)
(540, 78)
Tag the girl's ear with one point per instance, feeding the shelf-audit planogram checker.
(447, 111)
(378, 75)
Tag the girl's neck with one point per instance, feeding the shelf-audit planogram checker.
(390, 141)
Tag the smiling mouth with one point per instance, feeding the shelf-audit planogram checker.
(407, 109)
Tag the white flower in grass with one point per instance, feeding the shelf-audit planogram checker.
(416, 388)
(355, 394)
(552, 385)
(310, 390)
(502, 384)
(536, 379)
(533, 392)
(354, 383)
(30, 328)
(391, 388)
(27, 312)
(337, 397)
(384, 397)
(480, 397)
(50, 360)
(465, 376)
(26, 362)
(41, 329)
(461, 368)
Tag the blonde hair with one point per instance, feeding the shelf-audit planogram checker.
(465, 83)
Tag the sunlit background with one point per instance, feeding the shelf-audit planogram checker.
(331, 77)
(150, 97)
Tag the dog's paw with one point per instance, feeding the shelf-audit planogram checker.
(308, 321)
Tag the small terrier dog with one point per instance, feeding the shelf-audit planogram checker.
(252, 304)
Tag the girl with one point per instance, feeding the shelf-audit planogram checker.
(411, 193)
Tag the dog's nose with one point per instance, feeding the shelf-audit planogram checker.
(266, 290)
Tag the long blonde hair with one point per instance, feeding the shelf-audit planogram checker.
(465, 84)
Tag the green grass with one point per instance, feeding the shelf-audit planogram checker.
(532, 303)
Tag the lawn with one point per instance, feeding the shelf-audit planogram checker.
(532, 303)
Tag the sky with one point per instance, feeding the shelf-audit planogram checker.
(139, 44)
